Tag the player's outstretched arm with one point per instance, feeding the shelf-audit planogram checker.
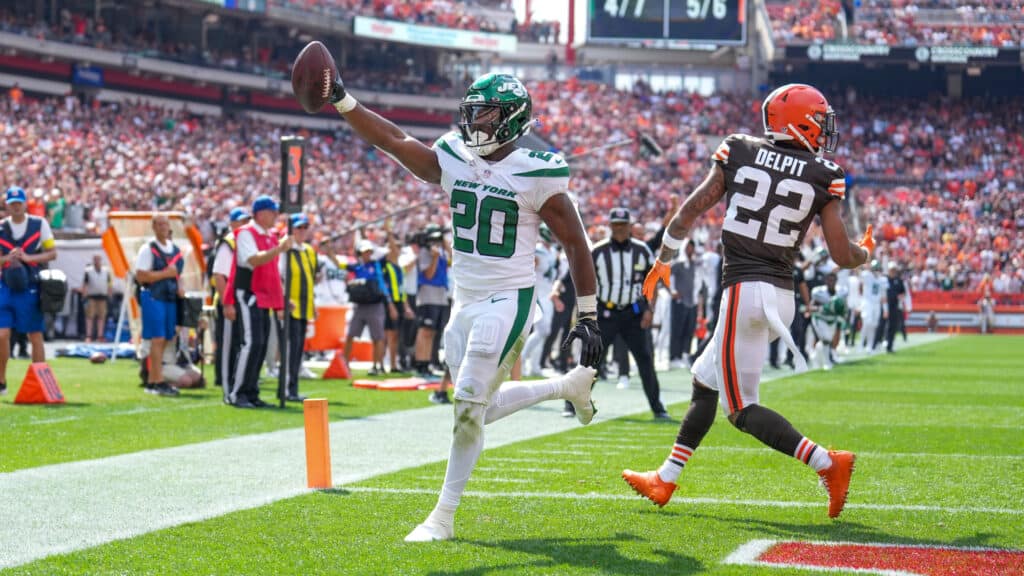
(705, 196)
(844, 252)
(416, 156)
(709, 193)
(563, 219)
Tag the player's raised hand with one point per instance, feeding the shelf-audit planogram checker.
(660, 271)
(337, 91)
(589, 335)
(868, 241)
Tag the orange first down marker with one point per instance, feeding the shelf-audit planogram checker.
(318, 444)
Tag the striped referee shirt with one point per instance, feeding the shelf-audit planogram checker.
(621, 269)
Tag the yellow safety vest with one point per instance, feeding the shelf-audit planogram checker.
(391, 277)
(303, 270)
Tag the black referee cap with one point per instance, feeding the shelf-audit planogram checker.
(619, 214)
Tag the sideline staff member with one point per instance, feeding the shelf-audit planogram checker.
(157, 269)
(256, 291)
(302, 258)
(226, 338)
(622, 263)
(26, 244)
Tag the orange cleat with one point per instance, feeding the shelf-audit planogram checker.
(836, 479)
(650, 486)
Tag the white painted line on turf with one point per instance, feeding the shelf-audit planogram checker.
(52, 420)
(702, 501)
(499, 459)
(557, 452)
(517, 469)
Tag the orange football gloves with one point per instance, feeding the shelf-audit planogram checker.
(660, 271)
(867, 243)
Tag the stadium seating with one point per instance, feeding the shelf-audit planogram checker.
(900, 22)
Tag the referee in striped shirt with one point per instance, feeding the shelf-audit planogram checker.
(622, 263)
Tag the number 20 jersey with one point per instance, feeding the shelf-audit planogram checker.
(772, 195)
(496, 212)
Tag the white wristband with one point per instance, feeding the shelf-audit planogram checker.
(346, 104)
(668, 241)
(586, 304)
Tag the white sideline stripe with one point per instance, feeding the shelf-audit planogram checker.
(700, 501)
(129, 412)
(517, 469)
(66, 507)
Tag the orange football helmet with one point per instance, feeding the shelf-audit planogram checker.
(800, 112)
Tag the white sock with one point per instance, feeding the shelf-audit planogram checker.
(513, 396)
(467, 443)
(673, 465)
(813, 455)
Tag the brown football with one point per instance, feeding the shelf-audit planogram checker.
(313, 75)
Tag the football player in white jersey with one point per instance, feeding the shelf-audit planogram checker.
(499, 195)
(871, 304)
(547, 273)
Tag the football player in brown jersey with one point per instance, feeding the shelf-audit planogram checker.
(774, 186)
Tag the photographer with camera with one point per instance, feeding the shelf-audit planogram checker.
(366, 291)
(432, 296)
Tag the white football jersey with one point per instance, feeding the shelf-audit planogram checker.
(870, 300)
(495, 212)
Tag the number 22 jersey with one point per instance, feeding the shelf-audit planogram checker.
(772, 195)
(496, 212)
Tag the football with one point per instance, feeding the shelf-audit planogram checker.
(313, 74)
(98, 358)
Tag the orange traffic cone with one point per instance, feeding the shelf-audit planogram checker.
(338, 370)
(39, 387)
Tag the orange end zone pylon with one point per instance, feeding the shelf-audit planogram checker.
(338, 370)
(39, 386)
(318, 444)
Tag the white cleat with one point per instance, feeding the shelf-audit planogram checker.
(578, 383)
(429, 532)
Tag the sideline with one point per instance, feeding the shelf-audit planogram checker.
(71, 506)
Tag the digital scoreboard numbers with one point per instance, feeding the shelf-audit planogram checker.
(669, 21)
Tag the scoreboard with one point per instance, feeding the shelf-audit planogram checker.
(668, 21)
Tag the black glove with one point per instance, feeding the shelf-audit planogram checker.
(589, 335)
(337, 91)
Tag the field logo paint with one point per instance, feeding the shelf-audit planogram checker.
(884, 559)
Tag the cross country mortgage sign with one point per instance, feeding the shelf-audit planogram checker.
(885, 559)
(433, 36)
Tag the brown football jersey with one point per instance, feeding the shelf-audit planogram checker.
(772, 194)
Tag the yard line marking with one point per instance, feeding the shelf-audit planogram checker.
(559, 452)
(700, 501)
(514, 470)
(499, 459)
(52, 420)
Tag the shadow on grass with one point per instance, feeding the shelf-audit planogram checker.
(842, 530)
(599, 554)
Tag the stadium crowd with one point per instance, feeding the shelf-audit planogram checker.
(900, 23)
(443, 13)
(941, 155)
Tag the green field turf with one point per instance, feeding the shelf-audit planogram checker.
(107, 413)
(938, 430)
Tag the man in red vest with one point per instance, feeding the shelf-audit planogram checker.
(256, 293)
